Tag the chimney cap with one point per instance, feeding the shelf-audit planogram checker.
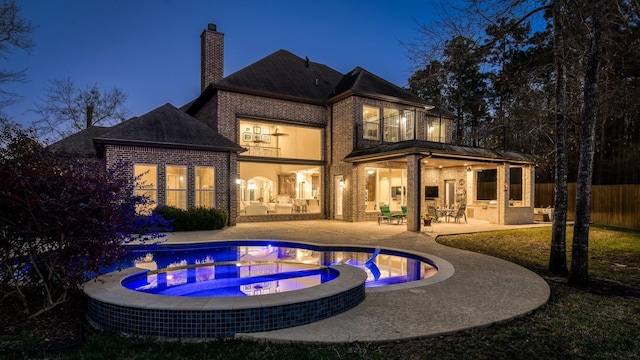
(211, 27)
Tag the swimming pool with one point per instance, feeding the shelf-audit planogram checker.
(280, 304)
(202, 263)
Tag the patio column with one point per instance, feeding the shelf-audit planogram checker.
(503, 192)
(413, 192)
(529, 180)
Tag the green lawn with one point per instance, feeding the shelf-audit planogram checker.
(614, 254)
(574, 324)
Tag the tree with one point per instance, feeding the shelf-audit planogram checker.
(15, 33)
(429, 83)
(579, 274)
(67, 109)
(595, 76)
(62, 218)
(558, 252)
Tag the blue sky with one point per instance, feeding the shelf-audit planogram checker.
(151, 48)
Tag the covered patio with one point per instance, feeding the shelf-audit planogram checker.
(493, 186)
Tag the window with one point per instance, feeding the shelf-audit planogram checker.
(177, 186)
(435, 130)
(515, 183)
(385, 187)
(277, 140)
(279, 188)
(487, 185)
(371, 122)
(204, 187)
(146, 185)
(406, 125)
(391, 122)
(398, 125)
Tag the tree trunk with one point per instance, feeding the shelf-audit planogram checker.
(579, 275)
(89, 116)
(558, 254)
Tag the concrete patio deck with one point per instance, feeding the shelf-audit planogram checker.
(482, 290)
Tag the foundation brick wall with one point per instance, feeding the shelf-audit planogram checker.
(225, 194)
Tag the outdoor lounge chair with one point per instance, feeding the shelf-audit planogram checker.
(404, 213)
(388, 215)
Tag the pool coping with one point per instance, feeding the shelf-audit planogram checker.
(111, 306)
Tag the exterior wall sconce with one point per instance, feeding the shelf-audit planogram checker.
(238, 181)
(341, 181)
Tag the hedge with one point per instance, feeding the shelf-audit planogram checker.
(194, 218)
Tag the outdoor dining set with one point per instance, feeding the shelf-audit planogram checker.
(433, 214)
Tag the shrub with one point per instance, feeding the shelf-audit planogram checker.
(194, 218)
(62, 219)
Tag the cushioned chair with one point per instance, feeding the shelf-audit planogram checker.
(256, 209)
(404, 213)
(283, 208)
(386, 214)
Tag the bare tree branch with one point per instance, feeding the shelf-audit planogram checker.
(15, 33)
(66, 109)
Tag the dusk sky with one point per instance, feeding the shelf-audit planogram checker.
(151, 48)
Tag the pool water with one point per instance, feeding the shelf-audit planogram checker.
(258, 267)
(230, 279)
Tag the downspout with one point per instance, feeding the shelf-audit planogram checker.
(440, 127)
(328, 178)
(415, 124)
(231, 183)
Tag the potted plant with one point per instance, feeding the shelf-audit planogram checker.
(426, 219)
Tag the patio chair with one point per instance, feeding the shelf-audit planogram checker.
(388, 215)
(431, 211)
(458, 214)
(403, 215)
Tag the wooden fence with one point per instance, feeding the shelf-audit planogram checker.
(613, 205)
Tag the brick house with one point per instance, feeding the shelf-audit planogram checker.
(287, 138)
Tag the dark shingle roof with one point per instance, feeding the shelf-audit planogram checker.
(284, 73)
(435, 149)
(80, 142)
(362, 82)
(170, 127)
(287, 76)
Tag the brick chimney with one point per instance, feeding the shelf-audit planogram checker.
(211, 56)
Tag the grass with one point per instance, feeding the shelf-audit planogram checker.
(574, 324)
(614, 254)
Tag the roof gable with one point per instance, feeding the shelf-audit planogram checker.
(167, 126)
(363, 82)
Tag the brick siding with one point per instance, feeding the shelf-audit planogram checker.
(224, 194)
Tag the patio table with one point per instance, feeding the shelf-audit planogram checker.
(445, 213)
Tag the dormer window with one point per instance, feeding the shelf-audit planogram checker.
(371, 122)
